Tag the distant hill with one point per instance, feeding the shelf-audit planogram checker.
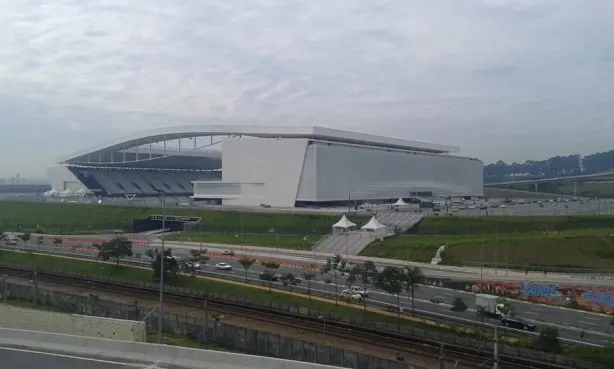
(553, 167)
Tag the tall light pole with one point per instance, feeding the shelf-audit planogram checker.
(496, 253)
(160, 309)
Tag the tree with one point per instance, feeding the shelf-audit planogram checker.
(247, 263)
(364, 273)
(199, 255)
(459, 304)
(507, 308)
(25, 237)
(337, 266)
(309, 274)
(289, 281)
(40, 240)
(548, 340)
(391, 280)
(57, 241)
(171, 267)
(413, 276)
(270, 268)
(115, 248)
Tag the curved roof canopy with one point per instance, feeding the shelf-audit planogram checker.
(306, 132)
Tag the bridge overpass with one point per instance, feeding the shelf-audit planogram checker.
(607, 176)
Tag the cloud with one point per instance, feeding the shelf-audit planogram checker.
(488, 75)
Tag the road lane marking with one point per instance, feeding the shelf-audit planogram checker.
(531, 313)
(583, 322)
(592, 318)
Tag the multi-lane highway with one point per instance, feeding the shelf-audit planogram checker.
(429, 299)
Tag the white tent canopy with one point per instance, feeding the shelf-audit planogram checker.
(400, 202)
(344, 223)
(373, 225)
(66, 193)
(83, 191)
(52, 192)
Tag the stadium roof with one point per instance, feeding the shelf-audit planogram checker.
(305, 132)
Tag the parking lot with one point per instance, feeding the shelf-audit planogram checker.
(547, 207)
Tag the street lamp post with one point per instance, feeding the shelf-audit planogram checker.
(496, 253)
(160, 308)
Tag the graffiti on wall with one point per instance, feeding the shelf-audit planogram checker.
(594, 298)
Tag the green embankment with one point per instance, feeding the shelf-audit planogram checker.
(574, 242)
(67, 218)
(468, 225)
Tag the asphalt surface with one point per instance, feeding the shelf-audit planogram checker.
(589, 207)
(15, 358)
(570, 323)
(428, 299)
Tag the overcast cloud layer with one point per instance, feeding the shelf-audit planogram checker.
(511, 80)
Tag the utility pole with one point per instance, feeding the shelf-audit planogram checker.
(206, 317)
(482, 268)
(160, 307)
(35, 287)
(4, 288)
(496, 350)
(496, 253)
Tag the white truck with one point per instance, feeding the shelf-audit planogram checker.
(490, 306)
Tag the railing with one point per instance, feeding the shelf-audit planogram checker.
(608, 273)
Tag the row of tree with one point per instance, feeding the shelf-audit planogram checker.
(553, 167)
(27, 237)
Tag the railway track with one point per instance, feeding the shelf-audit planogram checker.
(476, 357)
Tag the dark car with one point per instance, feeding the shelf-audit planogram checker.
(518, 323)
(268, 277)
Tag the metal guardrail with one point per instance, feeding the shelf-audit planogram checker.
(606, 273)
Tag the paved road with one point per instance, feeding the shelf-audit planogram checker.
(15, 358)
(569, 322)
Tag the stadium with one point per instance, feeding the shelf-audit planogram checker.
(287, 166)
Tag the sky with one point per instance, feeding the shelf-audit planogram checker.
(502, 79)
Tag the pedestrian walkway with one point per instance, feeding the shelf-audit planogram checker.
(402, 221)
(348, 243)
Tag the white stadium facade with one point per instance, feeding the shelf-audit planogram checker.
(285, 166)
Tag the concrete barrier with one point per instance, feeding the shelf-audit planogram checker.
(80, 325)
(143, 352)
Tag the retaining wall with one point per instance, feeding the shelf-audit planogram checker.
(79, 325)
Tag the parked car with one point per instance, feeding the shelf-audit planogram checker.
(228, 252)
(223, 266)
(518, 323)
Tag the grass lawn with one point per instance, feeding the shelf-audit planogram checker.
(284, 241)
(467, 225)
(592, 248)
(66, 218)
